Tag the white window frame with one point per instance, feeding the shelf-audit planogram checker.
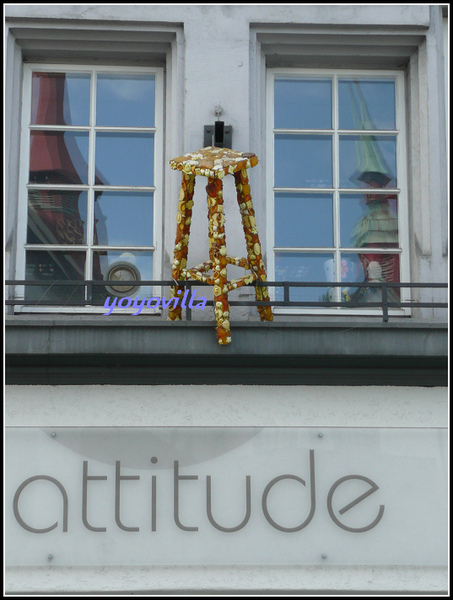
(401, 190)
(24, 185)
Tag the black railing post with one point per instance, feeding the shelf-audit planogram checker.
(89, 295)
(286, 293)
(385, 307)
(188, 309)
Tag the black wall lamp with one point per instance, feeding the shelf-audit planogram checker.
(219, 135)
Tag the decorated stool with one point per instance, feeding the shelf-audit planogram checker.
(214, 163)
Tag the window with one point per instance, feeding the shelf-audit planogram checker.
(91, 179)
(337, 183)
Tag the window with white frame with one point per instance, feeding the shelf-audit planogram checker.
(336, 176)
(91, 180)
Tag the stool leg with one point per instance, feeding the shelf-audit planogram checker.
(252, 241)
(183, 220)
(217, 255)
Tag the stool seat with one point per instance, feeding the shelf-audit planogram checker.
(215, 163)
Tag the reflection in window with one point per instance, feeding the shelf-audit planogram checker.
(369, 219)
(367, 161)
(60, 99)
(125, 158)
(123, 265)
(304, 267)
(57, 217)
(125, 100)
(124, 218)
(373, 267)
(303, 220)
(71, 158)
(367, 104)
(55, 265)
(303, 161)
(337, 156)
(303, 103)
(59, 157)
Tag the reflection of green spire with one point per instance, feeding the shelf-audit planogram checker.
(370, 161)
(378, 226)
(360, 115)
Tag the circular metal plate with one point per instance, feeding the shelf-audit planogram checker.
(122, 271)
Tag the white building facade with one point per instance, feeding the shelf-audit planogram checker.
(343, 393)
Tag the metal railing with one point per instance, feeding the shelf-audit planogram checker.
(384, 303)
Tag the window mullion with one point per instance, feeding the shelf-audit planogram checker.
(336, 179)
(91, 179)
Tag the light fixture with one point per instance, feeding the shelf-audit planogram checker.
(122, 271)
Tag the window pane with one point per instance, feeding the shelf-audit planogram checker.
(303, 267)
(125, 158)
(124, 218)
(125, 100)
(369, 219)
(367, 161)
(60, 99)
(303, 161)
(373, 267)
(304, 103)
(303, 220)
(366, 104)
(52, 265)
(58, 157)
(57, 217)
(122, 265)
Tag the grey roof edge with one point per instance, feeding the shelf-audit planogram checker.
(24, 320)
(127, 337)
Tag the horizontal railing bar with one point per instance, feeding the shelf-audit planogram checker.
(87, 301)
(347, 250)
(330, 304)
(276, 303)
(192, 282)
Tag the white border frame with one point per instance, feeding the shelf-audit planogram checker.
(156, 189)
(402, 190)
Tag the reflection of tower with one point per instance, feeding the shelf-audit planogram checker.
(379, 227)
(100, 221)
(54, 215)
(371, 166)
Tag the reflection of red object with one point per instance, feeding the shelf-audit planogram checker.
(389, 263)
(48, 151)
(344, 269)
(50, 161)
(50, 102)
(381, 197)
(54, 216)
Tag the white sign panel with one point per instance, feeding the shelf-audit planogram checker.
(208, 495)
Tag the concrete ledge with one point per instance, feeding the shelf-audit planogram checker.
(130, 336)
(126, 350)
(236, 580)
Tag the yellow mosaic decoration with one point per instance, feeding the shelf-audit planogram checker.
(214, 163)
